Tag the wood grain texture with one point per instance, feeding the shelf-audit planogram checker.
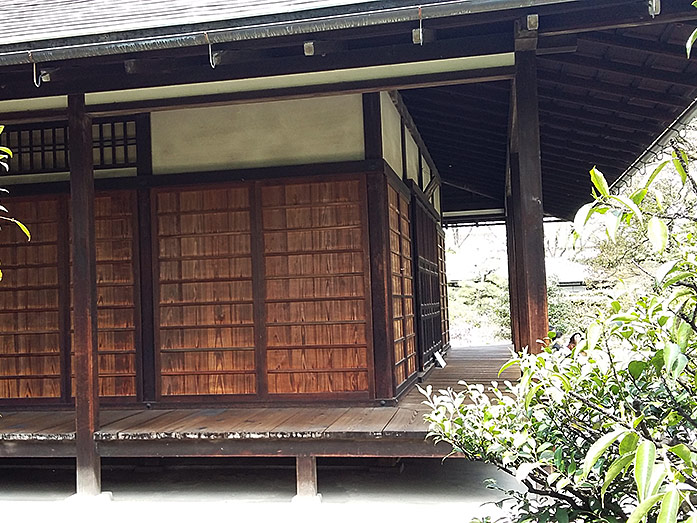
(314, 257)
(204, 314)
(30, 336)
(115, 223)
(403, 318)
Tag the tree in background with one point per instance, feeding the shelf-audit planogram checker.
(606, 432)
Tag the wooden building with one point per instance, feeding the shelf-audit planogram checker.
(240, 207)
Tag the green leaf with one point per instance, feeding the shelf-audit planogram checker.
(682, 452)
(508, 364)
(665, 269)
(643, 468)
(670, 355)
(690, 42)
(639, 195)
(643, 508)
(582, 216)
(655, 172)
(658, 234)
(677, 163)
(599, 182)
(561, 515)
(598, 448)
(612, 224)
(678, 276)
(669, 507)
(635, 368)
(524, 470)
(614, 470)
(593, 334)
(684, 333)
(629, 442)
(629, 204)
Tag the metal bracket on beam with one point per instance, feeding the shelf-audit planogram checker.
(654, 8)
(526, 33)
(421, 36)
(322, 47)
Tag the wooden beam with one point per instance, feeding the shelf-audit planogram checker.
(526, 241)
(306, 476)
(648, 73)
(555, 79)
(84, 296)
(381, 299)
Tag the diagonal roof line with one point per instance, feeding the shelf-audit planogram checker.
(56, 49)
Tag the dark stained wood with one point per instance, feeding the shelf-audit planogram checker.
(383, 356)
(259, 291)
(146, 309)
(427, 293)
(85, 296)
(306, 476)
(372, 130)
(529, 296)
(443, 290)
(64, 296)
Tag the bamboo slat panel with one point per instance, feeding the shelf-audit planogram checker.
(204, 308)
(29, 303)
(402, 287)
(115, 223)
(316, 276)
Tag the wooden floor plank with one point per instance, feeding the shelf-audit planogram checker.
(407, 422)
(310, 421)
(28, 422)
(241, 421)
(362, 421)
(113, 429)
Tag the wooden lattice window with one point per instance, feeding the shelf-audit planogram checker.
(404, 331)
(43, 148)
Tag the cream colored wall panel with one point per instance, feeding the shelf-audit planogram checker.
(425, 173)
(436, 200)
(288, 132)
(412, 157)
(391, 133)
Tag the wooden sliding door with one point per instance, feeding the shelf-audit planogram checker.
(204, 310)
(317, 307)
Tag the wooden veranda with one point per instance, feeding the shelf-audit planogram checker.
(301, 432)
(250, 198)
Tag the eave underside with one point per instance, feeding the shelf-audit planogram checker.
(610, 79)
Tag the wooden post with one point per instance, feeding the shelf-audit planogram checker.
(524, 198)
(84, 296)
(306, 475)
(379, 252)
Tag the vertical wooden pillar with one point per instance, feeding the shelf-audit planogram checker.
(306, 476)
(84, 296)
(378, 227)
(524, 198)
(147, 381)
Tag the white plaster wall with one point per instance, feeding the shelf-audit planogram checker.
(287, 132)
(412, 157)
(425, 173)
(391, 133)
